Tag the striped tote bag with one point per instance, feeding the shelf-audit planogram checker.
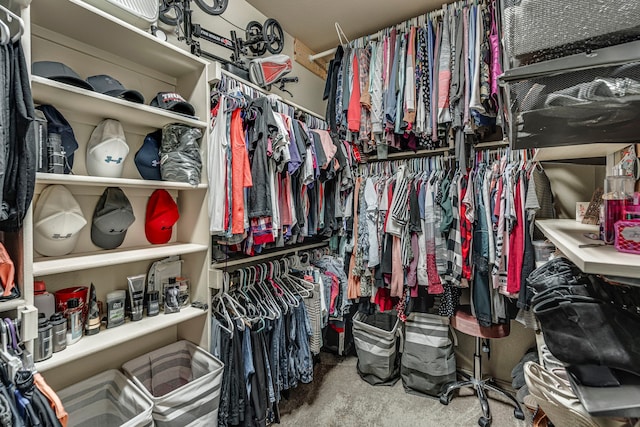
(428, 361)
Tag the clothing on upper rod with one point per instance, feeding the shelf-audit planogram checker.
(420, 86)
(274, 179)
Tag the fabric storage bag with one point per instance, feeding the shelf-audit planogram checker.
(376, 340)
(428, 361)
(105, 400)
(183, 382)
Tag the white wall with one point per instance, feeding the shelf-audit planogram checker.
(306, 93)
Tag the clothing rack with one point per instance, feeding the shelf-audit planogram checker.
(411, 154)
(293, 250)
(416, 20)
(230, 80)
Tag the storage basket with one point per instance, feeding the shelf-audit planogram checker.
(428, 361)
(105, 400)
(314, 311)
(539, 30)
(628, 237)
(183, 382)
(376, 341)
(600, 102)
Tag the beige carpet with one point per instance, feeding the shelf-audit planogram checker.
(338, 397)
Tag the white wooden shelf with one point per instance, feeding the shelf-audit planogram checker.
(82, 261)
(68, 97)
(98, 181)
(107, 338)
(568, 234)
(11, 304)
(81, 21)
(586, 151)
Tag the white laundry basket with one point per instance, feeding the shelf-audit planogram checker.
(183, 382)
(108, 399)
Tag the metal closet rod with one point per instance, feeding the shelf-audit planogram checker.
(434, 13)
(261, 90)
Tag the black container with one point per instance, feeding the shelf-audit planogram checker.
(43, 348)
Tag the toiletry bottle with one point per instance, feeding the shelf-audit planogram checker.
(44, 301)
(59, 331)
(153, 303)
(74, 320)
(618, 190)
(42, 344)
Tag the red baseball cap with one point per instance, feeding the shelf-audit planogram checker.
(162, 213)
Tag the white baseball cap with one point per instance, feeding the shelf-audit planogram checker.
(57, 220)
(107, 150)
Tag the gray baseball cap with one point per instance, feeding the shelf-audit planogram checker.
(59, 72)
(111, 219)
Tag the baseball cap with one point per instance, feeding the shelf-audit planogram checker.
(57, 220)
(111, 219)
(58, 125)
(173, 102)
(107, 150)
(59, 72)
(162, 213)
(110, 86)
(147, 158)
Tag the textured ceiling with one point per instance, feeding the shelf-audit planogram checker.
(312, 21)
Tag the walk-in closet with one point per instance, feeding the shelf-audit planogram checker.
(252, 213)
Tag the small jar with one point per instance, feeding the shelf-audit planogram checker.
(115, 308)
(74, 320)
(59, 331)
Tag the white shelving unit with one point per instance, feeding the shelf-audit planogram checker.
(107, 338)
(44, 266)
(93, 42)
(568, 235)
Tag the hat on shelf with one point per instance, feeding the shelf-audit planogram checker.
(173, 102)
(147, 158)
(59, 72)
(57, 220)
(107, 150)
(112, 87)
(162, 214)
(61, 141)
(111, 219)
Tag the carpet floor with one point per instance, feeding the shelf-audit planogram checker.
(339, 397)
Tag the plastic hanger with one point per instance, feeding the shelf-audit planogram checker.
(10, 17)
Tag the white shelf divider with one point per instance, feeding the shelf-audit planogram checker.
(11, 304)
(107, 338)
(81, 21)
(64, 96)
(98, 181)
(568, 234)
(82, 261)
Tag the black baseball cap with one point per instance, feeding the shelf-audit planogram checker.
(112, 87)
(111, 219)
(59, 72)
(173, 102)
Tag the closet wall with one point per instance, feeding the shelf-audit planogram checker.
(307, 92)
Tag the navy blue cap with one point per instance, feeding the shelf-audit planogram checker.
(147, 158)
(56, 123)
(110, 86)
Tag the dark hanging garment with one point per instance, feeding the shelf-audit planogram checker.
(20, 164)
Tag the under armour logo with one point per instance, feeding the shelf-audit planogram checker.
(155, 163)
(110, 159)
(60, 236)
